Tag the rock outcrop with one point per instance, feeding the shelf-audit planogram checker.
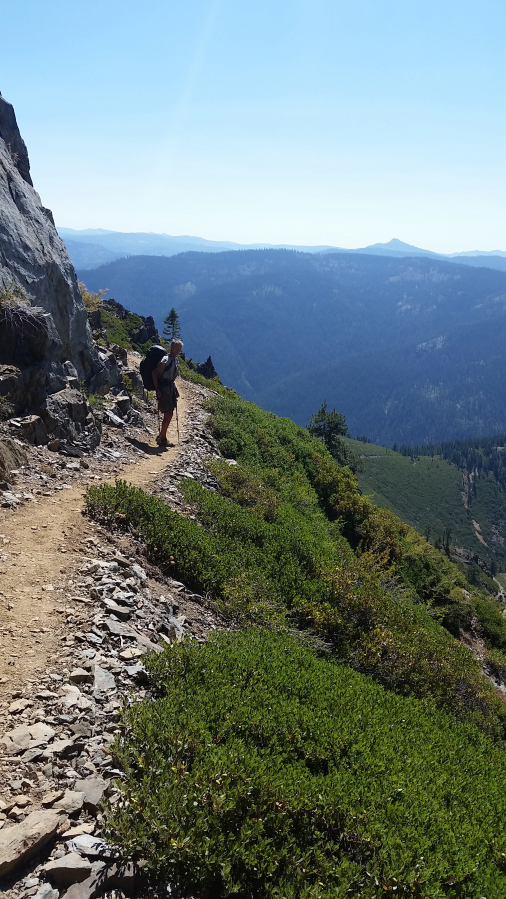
(146, 331)
(45, 338)
(206, 369)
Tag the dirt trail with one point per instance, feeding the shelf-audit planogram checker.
(44, 542)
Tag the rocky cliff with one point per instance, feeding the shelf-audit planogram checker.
(44, 330)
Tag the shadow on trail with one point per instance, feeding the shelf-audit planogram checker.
(146, 447)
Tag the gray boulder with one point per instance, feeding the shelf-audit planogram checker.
(94, 788)
(11, 458)
(68, 416)
(30, 428)
(71, 868)
(34, 258)
(18, 843)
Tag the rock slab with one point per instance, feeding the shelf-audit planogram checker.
(69, 869)
(94, 788)
(19, 842)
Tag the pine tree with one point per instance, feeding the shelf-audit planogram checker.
(325, 426)
(329, 427)
(172, 328)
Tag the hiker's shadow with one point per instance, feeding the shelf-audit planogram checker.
(146, 447)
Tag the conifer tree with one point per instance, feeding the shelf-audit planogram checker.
(329, 427)
(172, 328)
(325, 426)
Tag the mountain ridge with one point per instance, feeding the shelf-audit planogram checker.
(151, 243)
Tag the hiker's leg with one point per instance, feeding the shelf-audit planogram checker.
(167, 418)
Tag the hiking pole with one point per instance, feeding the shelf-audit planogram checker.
(177, 424)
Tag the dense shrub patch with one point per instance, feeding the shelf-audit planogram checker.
(290, 541)
(285, 564)
(262, 770)
(253, 436)
(118, 330)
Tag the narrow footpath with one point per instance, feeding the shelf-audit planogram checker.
(43, 542)
(79, 606)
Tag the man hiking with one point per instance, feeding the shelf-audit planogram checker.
(164, 376)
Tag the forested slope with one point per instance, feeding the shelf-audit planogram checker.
(410, 349)
(444, 501)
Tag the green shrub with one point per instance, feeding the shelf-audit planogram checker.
(491, 623)
(289, 541)
(118, 330)
(286, 565)
(263, 770)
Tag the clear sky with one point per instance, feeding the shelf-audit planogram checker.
(341, 122)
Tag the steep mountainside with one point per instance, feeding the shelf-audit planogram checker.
(440, 499)
(409, 349)
(333, 725)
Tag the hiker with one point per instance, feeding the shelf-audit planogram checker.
(166, 391)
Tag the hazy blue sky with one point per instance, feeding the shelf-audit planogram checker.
(342, 122)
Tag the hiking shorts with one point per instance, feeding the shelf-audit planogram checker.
(168, 399)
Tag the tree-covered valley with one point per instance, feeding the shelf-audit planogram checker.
(410, 350)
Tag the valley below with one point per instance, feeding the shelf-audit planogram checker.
(410, 350)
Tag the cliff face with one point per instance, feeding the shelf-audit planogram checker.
(34, 258)
(46, 346)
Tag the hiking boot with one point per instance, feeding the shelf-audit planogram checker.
(162, 441)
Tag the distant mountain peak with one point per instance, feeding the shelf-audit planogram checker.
(399, 246)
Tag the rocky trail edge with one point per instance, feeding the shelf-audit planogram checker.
(79, 606)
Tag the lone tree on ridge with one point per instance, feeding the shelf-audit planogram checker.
(172, 328)
(325, 426)
(330, 427)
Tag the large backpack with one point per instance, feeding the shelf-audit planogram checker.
(152, 358)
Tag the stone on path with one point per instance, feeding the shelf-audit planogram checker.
(79, 829)
(19, 705)
(60, 748)
(26, 736)
(104, 681)
(121, 877)
(121, 612)
(121, 629)
(69, 869)
(71, 802)
(80, 676)
(19, 842)
(86, 844)
(130, 653)
(47, 892)
(94, 788)
(51, 797)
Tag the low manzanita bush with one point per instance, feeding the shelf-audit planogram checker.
(262, 770)
(273, 762)
(284, 564)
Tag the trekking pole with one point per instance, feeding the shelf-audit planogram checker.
(177, 424)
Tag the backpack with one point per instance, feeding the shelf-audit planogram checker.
(152, 358)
